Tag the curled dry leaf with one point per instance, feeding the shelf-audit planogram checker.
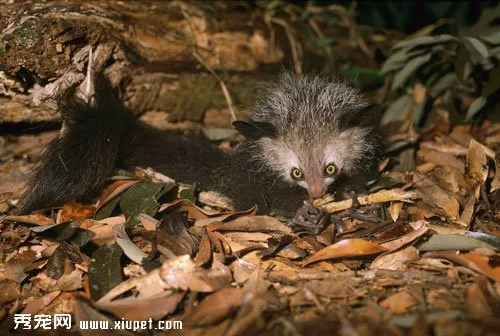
(252, 223)
(129, 248)
(39, 303)
(218, 306)
(354, 247)
(142, 309)
(473, 261)
(113, 190)
(454, 149)
(420, 228)
(181, 272)
(395, 260)
(74, 211)
(103, 229)
(148, 285)
(433, 195)
(36, 219)
(149, 222)
(441, 159)
(378, 197)
(395, 210)
(477, 161)
(468, 212)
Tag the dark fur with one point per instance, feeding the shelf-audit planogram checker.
(97, 139)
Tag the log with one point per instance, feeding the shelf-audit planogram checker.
(191, 62)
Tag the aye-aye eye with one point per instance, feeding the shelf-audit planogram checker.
(296, 174)
(330, 169)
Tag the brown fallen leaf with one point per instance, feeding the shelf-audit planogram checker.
(396, 260)
(113, 190)
(9, 291)
(477, 303)
(441, 159)
(150, 223)
(74, 211)
(477, 161)
(251, 223)
(433, 195)
(398, 303)
(142, 309)
(468, 212)
(181, 272)
(473, 261)
(354, 247)
(39, 303)
(395, 209)
(454, 149)
(218, 306)
(36, 219)
(421, 229)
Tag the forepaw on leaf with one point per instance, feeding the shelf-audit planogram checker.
(310, 219)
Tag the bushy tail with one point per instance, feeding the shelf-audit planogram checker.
(76, 164)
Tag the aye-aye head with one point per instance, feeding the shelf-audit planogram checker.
(311, 130)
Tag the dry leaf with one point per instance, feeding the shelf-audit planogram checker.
(477, 161)
(432, 194)
(36, 219)
(477, 303)
(252, 223)
(354, 247)
(441, 159)
(74, 211)
(395, 210)
(142, 309)
(398, 303)
(181, 272)
(113, 190)
(473, 261)
(395, 260)
(38, 304)
(218, 306)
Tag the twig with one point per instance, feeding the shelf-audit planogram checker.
(378, 197)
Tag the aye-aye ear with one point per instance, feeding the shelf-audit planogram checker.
(255, 129)
(368, 116)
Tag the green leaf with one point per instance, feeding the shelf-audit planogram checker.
(442, 84)
(105, 272)
(397, 145)
(408, 70)
(425, 41)
(374, 74)
(399, 59)
(306, 15)
(107, 209)
(397, 110)
(475, 108)
(325, 42)
(493, 38)
(443, 242)
(477, 48)
(140, 198)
